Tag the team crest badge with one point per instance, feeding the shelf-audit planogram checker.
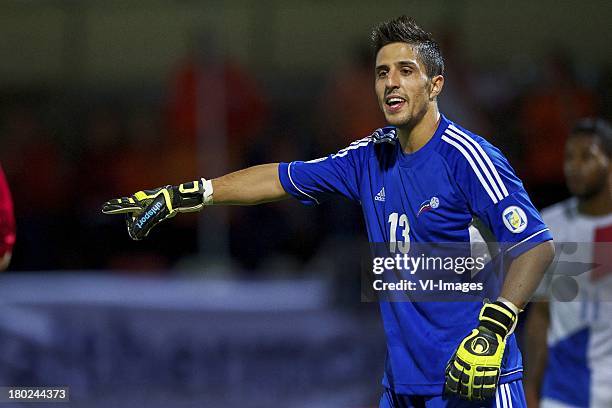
(515, 219)
(429, 205)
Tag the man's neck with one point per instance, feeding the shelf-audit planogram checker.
(599, 204)
(413, 137)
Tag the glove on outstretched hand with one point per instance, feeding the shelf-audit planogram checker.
(147, 208)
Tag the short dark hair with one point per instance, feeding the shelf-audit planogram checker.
(597, 127)
(405, 29)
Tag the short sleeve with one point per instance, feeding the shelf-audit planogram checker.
(497, 197)
(516, 223)
(314, 181)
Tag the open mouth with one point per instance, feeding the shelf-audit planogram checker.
(394, 103)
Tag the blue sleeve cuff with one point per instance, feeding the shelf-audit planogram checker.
(515, 249)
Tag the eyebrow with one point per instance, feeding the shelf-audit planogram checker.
(401, 63)
(407, 63)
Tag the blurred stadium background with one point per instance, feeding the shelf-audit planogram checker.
(238, 306)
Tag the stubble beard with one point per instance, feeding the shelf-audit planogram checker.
(410, 121)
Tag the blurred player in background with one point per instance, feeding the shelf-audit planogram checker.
(7, 223)
(422, 179)
(569, 343)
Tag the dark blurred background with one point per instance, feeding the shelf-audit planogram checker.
(101, 99)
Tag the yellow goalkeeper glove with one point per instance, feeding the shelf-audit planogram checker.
(145, 209)
(473, 371)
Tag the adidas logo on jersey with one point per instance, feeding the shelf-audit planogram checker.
(381, 195)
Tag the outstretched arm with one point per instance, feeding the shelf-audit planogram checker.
(253, 185)
(147, 208)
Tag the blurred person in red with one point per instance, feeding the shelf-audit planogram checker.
(546, 119)
(7, 223)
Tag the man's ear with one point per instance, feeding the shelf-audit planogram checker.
(435, 87)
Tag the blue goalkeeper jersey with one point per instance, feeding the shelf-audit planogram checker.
(430, 196)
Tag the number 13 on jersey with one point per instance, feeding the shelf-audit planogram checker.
(399, 220)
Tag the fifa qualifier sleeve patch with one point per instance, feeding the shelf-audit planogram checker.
(515, 219)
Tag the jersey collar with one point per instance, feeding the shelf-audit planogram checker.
(410, 159)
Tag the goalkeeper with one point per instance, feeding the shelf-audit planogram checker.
(422, 179)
